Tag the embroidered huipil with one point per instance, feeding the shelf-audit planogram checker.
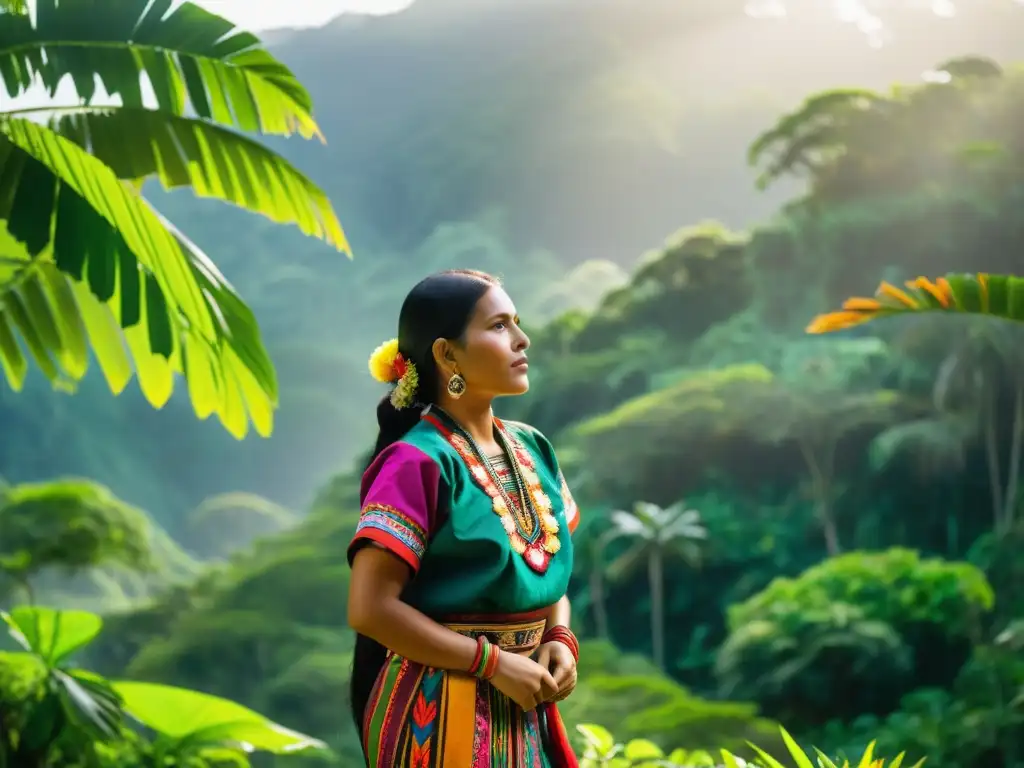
(482, 563)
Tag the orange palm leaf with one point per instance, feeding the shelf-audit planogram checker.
(999, 296)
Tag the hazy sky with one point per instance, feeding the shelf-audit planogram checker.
(265, 14)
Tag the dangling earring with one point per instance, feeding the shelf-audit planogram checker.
(456, 386)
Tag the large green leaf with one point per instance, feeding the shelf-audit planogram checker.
(1000, 296)
(116, 264)
(178, 312)
(51, 634)
(49, 178)
(216, 162)
(199, 719)
(185, 51)
(76, 697)
(89, 702)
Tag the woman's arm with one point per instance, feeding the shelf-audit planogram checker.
(401, 492)
(375, 609)
(560, 614)
(554, 655)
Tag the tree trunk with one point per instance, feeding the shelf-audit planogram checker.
(597, 595)
(656, 576)
(992, 459)
(822, 490)
(828, 526)
(1013, 468)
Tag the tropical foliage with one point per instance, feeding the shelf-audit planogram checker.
(601, 751)
(686, 373)
(792, 644)
(87, 266)
(826, 138)
(1000, 296)
(54, 713)
(657, 534)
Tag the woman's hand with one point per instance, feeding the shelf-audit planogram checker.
(558, 659)
(523, 680)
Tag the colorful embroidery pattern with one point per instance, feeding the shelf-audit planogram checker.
(505, 473)
(394, 523)
(535, 539)
(422, 717)
(518, 637)
(572, 512)
(482, 733)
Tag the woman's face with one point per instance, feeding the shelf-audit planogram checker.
(491, 356)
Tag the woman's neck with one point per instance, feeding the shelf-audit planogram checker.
(475, 416)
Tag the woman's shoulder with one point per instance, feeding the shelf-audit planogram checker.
(424, 437)
(399, 462)
(416, 448)
(531, 436)
(422, 450)
(522, 428)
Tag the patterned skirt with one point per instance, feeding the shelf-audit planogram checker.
(421, 717)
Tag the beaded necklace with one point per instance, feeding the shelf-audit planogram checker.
(531, 528)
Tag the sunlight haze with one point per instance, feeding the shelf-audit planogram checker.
(274, 478)
(269, 14)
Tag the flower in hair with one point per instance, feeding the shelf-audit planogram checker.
(382, 362)
(389, 366)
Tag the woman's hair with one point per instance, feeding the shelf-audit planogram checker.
(438, 307)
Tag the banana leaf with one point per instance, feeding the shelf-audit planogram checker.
(1000, 296)
(86, 264)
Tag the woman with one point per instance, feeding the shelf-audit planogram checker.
(462, 555)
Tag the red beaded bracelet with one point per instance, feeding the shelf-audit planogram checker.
(563, 635)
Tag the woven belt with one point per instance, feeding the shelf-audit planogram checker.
(517, 634)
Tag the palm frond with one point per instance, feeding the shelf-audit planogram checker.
(178, 312)
(935, 445)
(188, 54)
(214, 161)
(60, 321)
(683, 523)
(629, 524)
(57, 184)
(685, 550)
(1000, 296)
(90, 269)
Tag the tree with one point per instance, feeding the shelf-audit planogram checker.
(85, 260)
(663, 442)
(893, 615)
(659, 534)
(817, 419)
(989, 296)
(979, 359)
(72, 525)
(226, 522)
(855, 143)
(811, 139)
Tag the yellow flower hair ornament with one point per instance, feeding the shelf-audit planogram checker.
(389, 366)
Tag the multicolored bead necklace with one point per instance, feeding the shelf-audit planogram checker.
(534, 511)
